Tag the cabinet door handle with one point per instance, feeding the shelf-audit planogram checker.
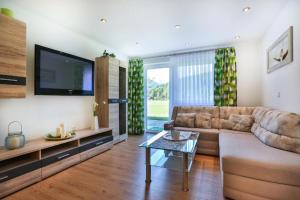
(8, 79)
(98, 143)
(3, 178)
(63, 156)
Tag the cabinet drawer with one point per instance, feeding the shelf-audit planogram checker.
(95, 143)
(60, 156)
(19, 182)
(95, 151)
(18, 171)
(60, 165)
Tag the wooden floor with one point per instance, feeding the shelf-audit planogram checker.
(120, 174)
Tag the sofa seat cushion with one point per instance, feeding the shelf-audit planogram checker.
(205, 134)
(233, 131)
(245, 155)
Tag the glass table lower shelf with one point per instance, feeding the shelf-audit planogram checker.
(170, 159)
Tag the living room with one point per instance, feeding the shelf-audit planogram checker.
(149, 99)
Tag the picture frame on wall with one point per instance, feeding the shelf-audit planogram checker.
(281, 51)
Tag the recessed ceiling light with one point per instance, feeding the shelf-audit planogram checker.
(137, 43)
(103, 20)
(237, 37)
(246, 9)
(177, 26)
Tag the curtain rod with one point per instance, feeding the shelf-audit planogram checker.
(195, 50)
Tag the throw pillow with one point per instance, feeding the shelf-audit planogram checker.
(185, 120)
(241, 122)
(203, 120)
(226, 124)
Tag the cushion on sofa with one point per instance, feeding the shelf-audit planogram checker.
(213, 110)
(279, 129)
(241, 122)
(245, 155)
(206, 134)
(185, 120)
(225, 112)
(237, 123)
(203, 120)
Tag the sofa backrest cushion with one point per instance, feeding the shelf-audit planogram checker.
(240, 118)
(203, 120)
(213, 110)
(225, 111)
(185, 120)
(277, 129)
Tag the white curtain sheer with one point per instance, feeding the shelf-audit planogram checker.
(193, 79)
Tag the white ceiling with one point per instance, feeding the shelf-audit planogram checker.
(151, 22)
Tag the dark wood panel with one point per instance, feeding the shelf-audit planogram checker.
(101, 90)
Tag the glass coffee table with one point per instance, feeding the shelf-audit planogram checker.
(174, 155)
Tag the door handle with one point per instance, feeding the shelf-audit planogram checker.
(3, 178)
(98, 143)
(63, 156)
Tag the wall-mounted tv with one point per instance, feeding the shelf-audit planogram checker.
(59, 73)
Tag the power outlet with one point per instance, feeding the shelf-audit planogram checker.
(278, 95)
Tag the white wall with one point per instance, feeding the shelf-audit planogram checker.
(248, 61)
(41, 114)
(285, 80)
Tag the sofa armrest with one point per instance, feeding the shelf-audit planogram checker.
(169, 125)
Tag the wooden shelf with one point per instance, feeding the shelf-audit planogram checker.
(39, 144)
(93, 138)
(40, 159)
(52, 151)
(18, 161)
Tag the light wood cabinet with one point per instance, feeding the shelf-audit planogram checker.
(39, 159)
(111, 95)
(12, 58)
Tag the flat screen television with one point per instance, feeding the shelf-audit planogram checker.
(59, 73)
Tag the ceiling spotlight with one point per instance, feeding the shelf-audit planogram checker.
(246, 9)
(177, 26)
(237, 37)
(103, 20)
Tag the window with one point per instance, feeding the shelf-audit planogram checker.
(183, 79)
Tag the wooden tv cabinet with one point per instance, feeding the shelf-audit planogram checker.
(40, 159)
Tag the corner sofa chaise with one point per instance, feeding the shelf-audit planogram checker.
(259, 148)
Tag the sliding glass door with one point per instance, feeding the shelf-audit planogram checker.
(157, 97)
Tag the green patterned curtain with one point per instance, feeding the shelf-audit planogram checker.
(136, 97)
(225, 83)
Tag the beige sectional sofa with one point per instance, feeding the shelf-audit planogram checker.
(259, 148)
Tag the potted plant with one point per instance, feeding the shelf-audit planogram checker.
(7, 12)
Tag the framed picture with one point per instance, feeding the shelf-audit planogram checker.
(281, 51)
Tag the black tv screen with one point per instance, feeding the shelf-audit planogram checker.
(59, 73)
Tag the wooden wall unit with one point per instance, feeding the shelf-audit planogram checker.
(12, 58)
(40, 159)
(111, 95)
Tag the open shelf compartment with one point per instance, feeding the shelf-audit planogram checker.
(19, 161)
(94, 138)
(52, 151)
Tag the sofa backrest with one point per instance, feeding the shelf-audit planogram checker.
(277, 128)
(242, 123)
(213, 110)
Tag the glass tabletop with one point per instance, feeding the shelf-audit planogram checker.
(159, 142)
